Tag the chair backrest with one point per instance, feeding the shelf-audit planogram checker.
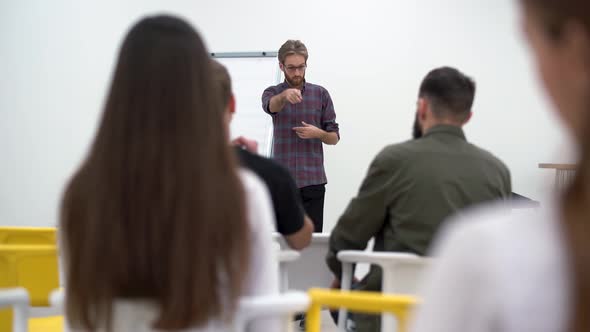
(401, 271)
(310, 269)
(405, 275)
(279, 307)
(28, 235)
(15, 320)
(33, 267)
(366, 302)
(286, 257)
(56, 298)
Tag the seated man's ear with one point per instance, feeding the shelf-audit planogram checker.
(467, 118)
(232, 104)
(422, 108)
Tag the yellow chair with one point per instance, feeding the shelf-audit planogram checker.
(46, 324)
(28, 235)
(34, 268)
(365, 302)
(18, 300)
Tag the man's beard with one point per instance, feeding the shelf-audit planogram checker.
(295, 81)
(416, 131)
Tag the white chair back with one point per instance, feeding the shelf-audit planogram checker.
(286, 257)
(281, 307)
(402, 273)
(18, 299)
(278, 307)
(310, 269)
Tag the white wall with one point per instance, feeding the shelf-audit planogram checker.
(56, 58)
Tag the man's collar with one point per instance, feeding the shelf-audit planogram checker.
(446, 129)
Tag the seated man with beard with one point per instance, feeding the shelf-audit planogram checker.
(411, 187)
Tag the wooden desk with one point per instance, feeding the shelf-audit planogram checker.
(564, 174)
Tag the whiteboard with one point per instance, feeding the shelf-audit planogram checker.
(251, 73)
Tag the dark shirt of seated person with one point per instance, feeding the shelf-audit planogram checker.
(411, 187)
(291, 220)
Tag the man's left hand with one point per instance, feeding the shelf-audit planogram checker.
(308, 131)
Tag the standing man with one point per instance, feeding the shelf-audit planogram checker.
(303, 119)
(291, 221)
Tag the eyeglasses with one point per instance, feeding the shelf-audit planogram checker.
(293, 69)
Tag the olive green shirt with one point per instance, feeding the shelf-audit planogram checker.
(410, 188)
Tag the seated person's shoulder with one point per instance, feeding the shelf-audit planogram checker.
(251, 182)
(283, 191)
(397, 152)
(490, 158)
(265, 168)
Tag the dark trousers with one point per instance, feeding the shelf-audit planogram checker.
(313, 203)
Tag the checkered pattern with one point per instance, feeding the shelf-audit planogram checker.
(304, 158)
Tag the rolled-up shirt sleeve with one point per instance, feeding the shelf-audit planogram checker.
(329, 123)
(266, 96)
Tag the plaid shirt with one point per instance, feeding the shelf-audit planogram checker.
(304, 158)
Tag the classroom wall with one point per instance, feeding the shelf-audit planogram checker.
(56, 59)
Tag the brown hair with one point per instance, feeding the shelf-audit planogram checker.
(291, 47)
(156, 211)
(222, 80)
(553, 14)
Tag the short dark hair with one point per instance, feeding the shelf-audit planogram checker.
(222, 81)
(450, 93)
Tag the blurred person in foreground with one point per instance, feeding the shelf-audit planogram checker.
(515, 273)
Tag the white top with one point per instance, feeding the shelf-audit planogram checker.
(497, 271)
(262, 278)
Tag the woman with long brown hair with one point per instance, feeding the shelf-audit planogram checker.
(498, 272)
(160, 230)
